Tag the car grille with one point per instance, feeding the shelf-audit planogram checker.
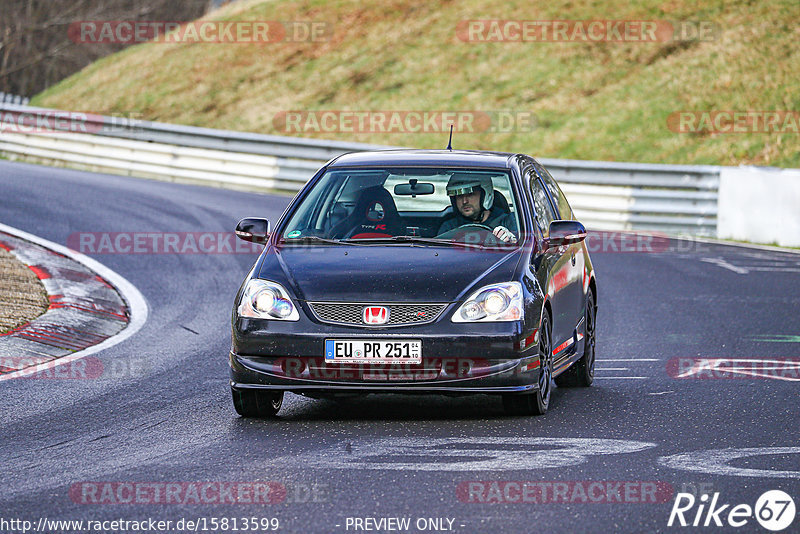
(399, 314)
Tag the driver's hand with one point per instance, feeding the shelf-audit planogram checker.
(504, 234)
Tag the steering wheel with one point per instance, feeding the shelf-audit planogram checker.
(457, 233)
(476, 225)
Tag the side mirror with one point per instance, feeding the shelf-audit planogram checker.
(565, 233)
(253, 229)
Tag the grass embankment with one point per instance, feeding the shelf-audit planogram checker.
(22, 295)
(605, 101)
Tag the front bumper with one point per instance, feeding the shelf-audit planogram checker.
(456, 358)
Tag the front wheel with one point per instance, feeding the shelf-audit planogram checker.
(538, 402)
(257, 403)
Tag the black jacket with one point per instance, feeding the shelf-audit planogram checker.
(496, 218)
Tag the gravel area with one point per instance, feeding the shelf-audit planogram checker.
(22, 295)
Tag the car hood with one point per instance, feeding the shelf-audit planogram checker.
(385, 273)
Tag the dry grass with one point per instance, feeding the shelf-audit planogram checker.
(607, 101)
(22, 295)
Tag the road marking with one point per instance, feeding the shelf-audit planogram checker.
(760, 265)
(715, 462)
(772, 263)
(725, 265)
(629, 360)
(511, 453)
(621, 377)
(772, 257)
(729, 365)
(783, 251)
(776, 338)
(775, 269)
(135, 300)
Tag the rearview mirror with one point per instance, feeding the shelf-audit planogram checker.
(253, 229)
(413, 188)
(565, 233)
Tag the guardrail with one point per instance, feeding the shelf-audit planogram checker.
(678, 199)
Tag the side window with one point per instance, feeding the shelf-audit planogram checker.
(544, 212)
(564, 209)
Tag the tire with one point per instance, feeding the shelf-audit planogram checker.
(257, 403)
(581, 373)
(538, 402)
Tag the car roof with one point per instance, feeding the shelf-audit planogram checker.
(415, 158)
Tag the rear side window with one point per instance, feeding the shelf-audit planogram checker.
(544, 212)
(564, 209)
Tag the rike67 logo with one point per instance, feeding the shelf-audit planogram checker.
(774, 510)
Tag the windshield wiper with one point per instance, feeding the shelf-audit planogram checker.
(414, 239)
(312, 239)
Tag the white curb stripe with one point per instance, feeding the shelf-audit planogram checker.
(137, 305)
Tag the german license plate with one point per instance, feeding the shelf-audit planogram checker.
(373, 351)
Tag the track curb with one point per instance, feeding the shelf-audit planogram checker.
(90, 310)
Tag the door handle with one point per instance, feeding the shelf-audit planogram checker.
(573, 259)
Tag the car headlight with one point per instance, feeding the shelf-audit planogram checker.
(262, 299)
(497, 302)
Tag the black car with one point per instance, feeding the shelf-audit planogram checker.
(417, 271)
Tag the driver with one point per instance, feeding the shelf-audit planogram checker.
(472, 197)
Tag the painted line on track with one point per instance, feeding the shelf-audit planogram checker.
(628, 360)
(756, 246)
(621, 377)
(135, 300)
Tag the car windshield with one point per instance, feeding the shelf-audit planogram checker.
(442, 206)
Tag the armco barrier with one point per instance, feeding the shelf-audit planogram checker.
(679, 199)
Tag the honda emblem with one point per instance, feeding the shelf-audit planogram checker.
(375, 315)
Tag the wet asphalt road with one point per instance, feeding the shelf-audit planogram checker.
(430, 460)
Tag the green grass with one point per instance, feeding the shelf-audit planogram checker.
(606, 101)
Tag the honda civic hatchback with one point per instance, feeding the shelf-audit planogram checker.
(417, 271)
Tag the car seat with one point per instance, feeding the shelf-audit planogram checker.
(374, 215)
